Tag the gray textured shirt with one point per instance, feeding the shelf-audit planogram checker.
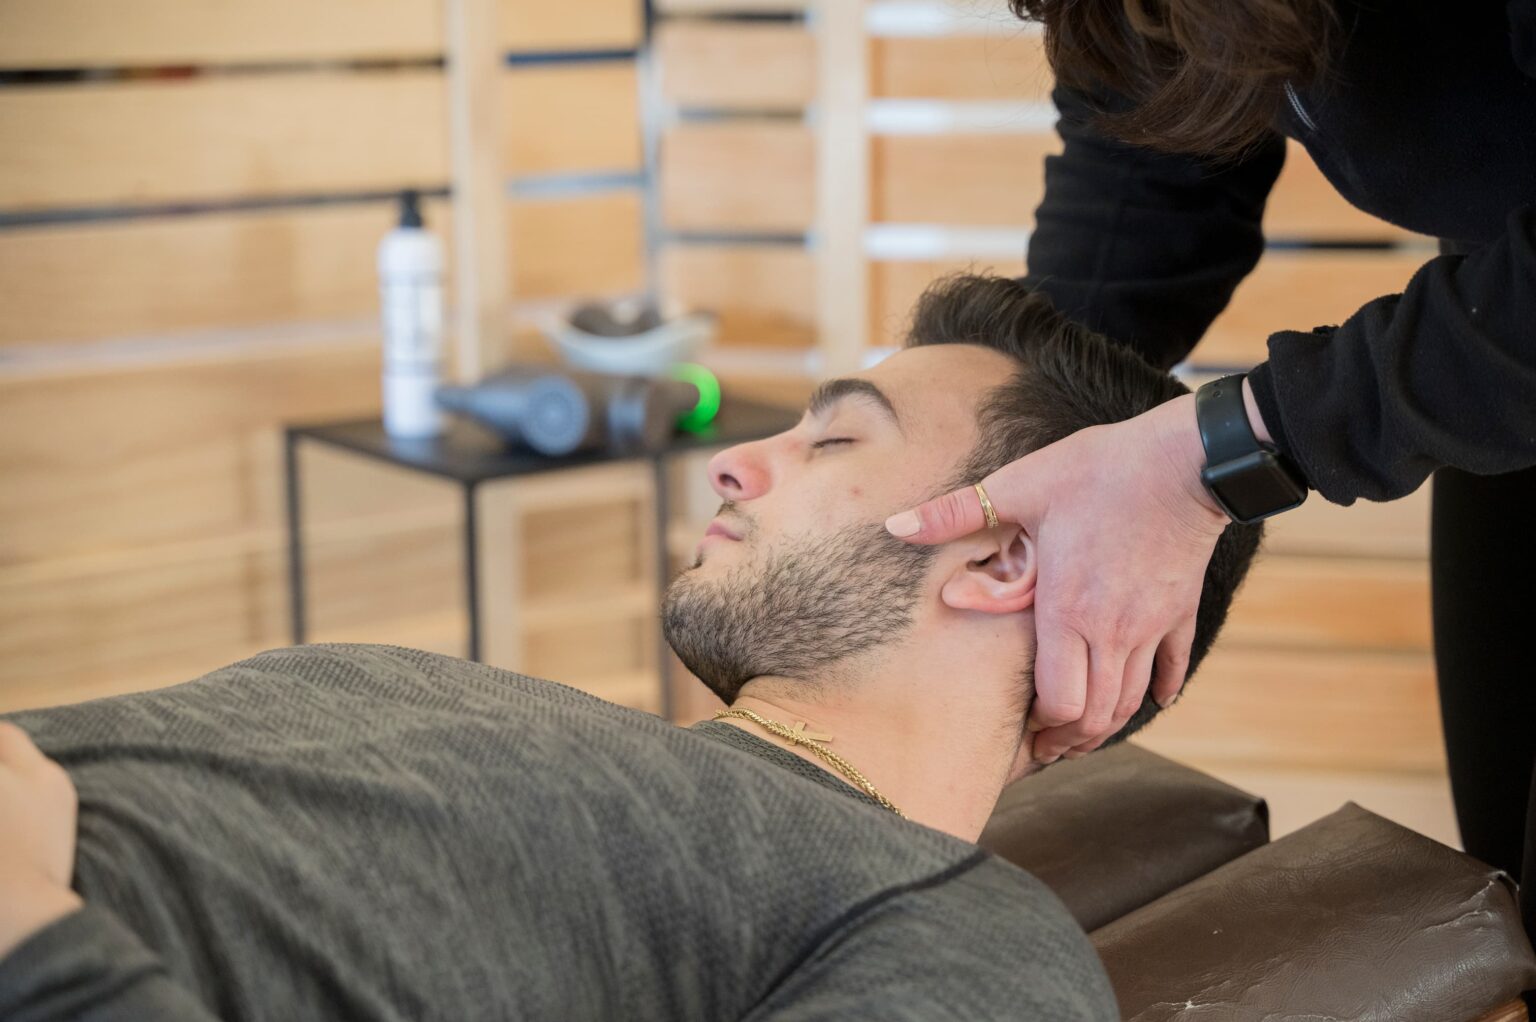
(366, 832)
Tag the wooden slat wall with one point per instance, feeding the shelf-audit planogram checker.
(141, 540)
(737, 177)
(137, 277)
(737, 162)
(895, 287)
(109, 33)
(960, 180)
(764, 294)
(1008, 66)
(538, 25)
(570, 247)
(101, 33)
(1299, 290)
(701, 65)
(543, 101)
(220, 138)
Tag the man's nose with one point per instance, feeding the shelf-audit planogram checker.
(740, 472)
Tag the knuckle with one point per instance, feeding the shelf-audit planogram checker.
(948, 513)
(1095, 723)
(1060, 711)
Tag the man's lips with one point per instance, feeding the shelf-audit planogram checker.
(717, 529)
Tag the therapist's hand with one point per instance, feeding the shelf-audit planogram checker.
(37, 839)
(1124, 529)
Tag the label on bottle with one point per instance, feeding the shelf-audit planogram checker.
(413, 323)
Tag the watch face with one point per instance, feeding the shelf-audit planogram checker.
(1253, 487)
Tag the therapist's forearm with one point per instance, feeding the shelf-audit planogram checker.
(1255, 419)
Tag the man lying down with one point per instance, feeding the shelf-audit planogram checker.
(366, 832)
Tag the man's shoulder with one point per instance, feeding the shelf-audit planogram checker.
(332, 696)
(980, 940)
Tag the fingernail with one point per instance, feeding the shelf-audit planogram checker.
(1048, 760)
(1074, 754)
(903, 524)
(1034, 726)
(1166, 701)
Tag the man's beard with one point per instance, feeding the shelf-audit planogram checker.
(796, 610)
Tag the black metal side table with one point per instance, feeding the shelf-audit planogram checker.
(470, 455)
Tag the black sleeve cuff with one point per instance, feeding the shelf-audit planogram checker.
(1269, 409)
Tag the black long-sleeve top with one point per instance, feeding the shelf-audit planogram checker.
(1428, 121)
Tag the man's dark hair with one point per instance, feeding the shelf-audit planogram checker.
(1195, 76)
(1068, 378)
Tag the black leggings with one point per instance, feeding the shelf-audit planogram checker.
(1483, 574)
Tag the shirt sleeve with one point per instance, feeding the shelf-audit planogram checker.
(1146, 247)
(1443, 374)
(87, 967)
(987, 945)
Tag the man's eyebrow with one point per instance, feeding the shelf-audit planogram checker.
(833, 391)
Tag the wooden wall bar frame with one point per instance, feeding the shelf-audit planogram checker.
(842, 183)
(480, 243)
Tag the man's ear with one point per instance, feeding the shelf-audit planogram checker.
(998, 576)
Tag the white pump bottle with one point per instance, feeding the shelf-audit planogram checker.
(411, 293)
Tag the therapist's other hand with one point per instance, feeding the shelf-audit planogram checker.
(37, 839)
(1124, 530)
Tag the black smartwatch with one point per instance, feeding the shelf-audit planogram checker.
(1250, 480)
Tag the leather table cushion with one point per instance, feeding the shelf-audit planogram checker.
(1115, 829)
(1352, 917)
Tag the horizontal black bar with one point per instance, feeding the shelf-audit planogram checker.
(714, 115)
(764, 238)
(190, 72)
(788, 15)
(171, 71)
(1330, 244)
(564, 185)
(30, 218)
(525, 58)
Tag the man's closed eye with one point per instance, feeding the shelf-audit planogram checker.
(830, 441)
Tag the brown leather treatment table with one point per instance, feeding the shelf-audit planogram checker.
(1199, 916)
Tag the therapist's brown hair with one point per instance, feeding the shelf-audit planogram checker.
(1194, 76)
(1068, 378)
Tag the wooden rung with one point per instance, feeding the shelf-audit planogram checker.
(761, 295)
(101, 33)
(116, 458)
(738, 177)
(1292, 290)
(980, 180)
(590, 25)
(736, 65)
(1296, 708)
(582, 246)
(1398, 528)
(221, 138)
(1333, 602)
(140, 278)
(896, 286)
(961, 67)
(571, 118)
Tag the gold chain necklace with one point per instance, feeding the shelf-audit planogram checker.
(798, 736)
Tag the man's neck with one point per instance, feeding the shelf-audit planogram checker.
(941, 756)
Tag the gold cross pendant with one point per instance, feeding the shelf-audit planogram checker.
(799, 730)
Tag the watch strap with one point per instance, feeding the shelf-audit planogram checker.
(1223, 420)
